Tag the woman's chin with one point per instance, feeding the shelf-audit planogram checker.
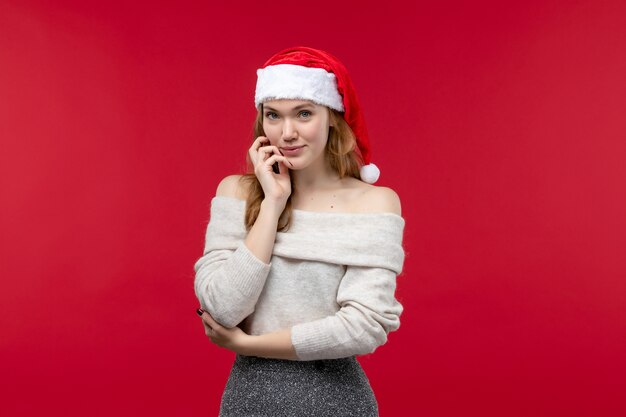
(296, 165)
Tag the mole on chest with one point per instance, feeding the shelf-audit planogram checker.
(321, 203)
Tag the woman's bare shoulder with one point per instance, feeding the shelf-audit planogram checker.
(232, 186)
(381, 199)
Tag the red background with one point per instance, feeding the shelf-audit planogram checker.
(501, 126)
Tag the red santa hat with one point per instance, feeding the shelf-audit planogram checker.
(311, 74)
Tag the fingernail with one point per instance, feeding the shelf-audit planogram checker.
(199, 311)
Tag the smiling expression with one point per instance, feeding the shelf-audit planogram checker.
(299, 128)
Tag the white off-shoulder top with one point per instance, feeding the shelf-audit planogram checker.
(331, 279)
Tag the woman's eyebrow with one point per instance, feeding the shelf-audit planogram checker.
(295, 108)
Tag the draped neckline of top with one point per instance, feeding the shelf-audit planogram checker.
(322, 213)
(359, 239)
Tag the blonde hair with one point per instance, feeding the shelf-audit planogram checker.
(341, 152)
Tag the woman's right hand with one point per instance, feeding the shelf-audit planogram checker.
(276, 187)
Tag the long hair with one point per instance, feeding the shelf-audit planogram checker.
(340, 151)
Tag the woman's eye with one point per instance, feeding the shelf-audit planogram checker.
(308, 113)
(269, 115)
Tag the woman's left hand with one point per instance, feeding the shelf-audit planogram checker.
(232, 339)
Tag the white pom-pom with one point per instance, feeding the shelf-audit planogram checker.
(370, 173)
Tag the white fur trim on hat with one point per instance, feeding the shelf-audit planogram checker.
(297, 82)
(369, 173)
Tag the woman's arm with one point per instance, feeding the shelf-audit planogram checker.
(369, 312)
(271, 345)
(231, 294)
(261, 237)
(229, 282)
(369, 309)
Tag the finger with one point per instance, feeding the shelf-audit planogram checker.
(253, 151)
(260, 141)
(206, 321)
(259, 155)
(274, 158)
(270, 148)
(206, 317)
(215, 341)
(208, 331)
(266, 151)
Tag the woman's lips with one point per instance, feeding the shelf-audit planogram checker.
(292, 152)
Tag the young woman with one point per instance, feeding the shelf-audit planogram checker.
(301, 255)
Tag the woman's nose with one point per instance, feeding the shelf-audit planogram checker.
(289, 130)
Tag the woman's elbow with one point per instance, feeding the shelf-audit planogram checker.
(226, 307)
(373, 336)
(367, 344)
(224, 315)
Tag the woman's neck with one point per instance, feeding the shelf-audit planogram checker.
(313, 179)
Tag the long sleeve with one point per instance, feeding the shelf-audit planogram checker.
(369, 311)
(228, 283)
(229, 278)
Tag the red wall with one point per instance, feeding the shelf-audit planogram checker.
(502, 127)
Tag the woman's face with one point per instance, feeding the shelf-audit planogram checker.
(297, 124)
